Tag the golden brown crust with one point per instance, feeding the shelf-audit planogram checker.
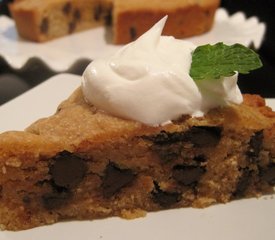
(258, 102)
(67, 126)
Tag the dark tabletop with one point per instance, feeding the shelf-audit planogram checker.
(262, 81)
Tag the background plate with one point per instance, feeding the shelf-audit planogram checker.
(249, 219)
(61, 53)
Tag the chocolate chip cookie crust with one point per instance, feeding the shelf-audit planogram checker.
(82, 163)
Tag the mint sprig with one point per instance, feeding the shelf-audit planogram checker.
(220, 60)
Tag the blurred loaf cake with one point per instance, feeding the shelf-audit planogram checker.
(43, 20)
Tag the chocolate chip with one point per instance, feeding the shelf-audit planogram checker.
(67, 8)
(164, 138)
(26, 199)
(133, 33)
(164, 198)
(200, 136)
(108, 19)
(56, 199)
(188, 175)
(42, 183)
(167, 153)
(207, 13)
(97, 12)
(268, 174)
(168, 156)
(115, 179)
(1, 190)
(44, 26)
(243, 183)
(77, 15)
(256, 142)
(71, 27)
(200, 158)
(204, 136)
(255, 146)
(68, 170)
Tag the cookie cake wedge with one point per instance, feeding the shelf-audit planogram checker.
(148, 130)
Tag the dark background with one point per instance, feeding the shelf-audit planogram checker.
(262, 81)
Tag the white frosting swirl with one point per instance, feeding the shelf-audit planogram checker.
(148, 81)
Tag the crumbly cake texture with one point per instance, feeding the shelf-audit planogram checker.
(40, 20)
(82, 163)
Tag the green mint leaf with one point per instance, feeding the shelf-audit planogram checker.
(220, 60)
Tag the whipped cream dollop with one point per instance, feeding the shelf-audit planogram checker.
(148, 81)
